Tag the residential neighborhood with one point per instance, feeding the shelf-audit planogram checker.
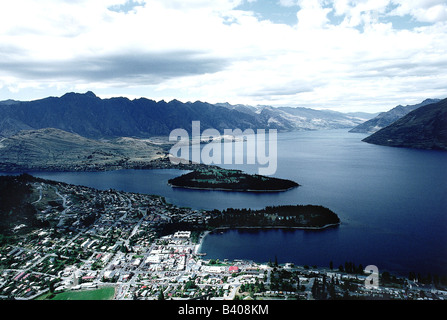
(93, 240)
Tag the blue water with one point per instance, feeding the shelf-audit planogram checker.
(392, 203)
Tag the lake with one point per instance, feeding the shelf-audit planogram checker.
(392, 203)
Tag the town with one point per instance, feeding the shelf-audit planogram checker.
(128, 246)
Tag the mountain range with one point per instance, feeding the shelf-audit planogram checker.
(96, 118)
(299, 118)
(386, 118)
(422, 128)
(84, 132)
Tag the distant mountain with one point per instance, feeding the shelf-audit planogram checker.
(423, 128)
(10, 126)
(93, 117)
(239, 107)
(386, 118)
(9, 102)
(318, 119)
(298, 118)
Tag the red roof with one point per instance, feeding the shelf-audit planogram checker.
(233, 269)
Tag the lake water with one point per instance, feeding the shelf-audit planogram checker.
(392, 203)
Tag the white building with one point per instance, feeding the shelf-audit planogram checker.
(213, 269)
(153, 258)
(182, 234)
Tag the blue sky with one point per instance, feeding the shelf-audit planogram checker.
(270, 10)
(345, 55)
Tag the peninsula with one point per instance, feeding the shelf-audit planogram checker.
(60, 241)
(215, 178)
(284, 216)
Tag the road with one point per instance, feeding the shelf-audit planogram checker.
(40, 194)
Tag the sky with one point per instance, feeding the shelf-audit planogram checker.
(343, 55)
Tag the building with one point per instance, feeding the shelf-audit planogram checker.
(233, 269)
(182, 234)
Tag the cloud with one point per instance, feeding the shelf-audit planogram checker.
(358, 11)
(422, 10)
(214, 51)
(136, 68)
(312, 14)
(285, 89)
(126, 7)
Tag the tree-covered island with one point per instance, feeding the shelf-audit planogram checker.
(285, 216)
(214, 178)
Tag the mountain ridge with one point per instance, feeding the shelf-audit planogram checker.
(388, 117)
(422, 128)
(92, 117)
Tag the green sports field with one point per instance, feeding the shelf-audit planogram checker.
(105, 293)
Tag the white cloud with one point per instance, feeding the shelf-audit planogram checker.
(312, 14)
(422, 10)
(359, 12)
(209, 51)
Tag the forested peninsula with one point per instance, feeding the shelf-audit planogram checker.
(285, 216)
(214, 178)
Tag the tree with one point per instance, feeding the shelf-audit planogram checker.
(189, 285)
(51, 286)
(360, 269)
(297, 284)
(386, 277)
(161, 296)
(324, 282)
(315, 288)
(331, 290)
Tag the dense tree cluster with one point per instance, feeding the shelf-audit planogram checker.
(15, 207)
(236, 180)
(13, 190)
(276, 216)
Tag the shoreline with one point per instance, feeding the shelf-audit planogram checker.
(231, 190)
(198, 246)
(326, 226)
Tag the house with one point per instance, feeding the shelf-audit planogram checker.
(233, 269)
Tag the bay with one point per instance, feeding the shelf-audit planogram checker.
(392, 203)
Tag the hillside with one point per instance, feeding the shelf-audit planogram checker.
(16, 195)
(54, 149)
(423, 128)
(386, 118)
